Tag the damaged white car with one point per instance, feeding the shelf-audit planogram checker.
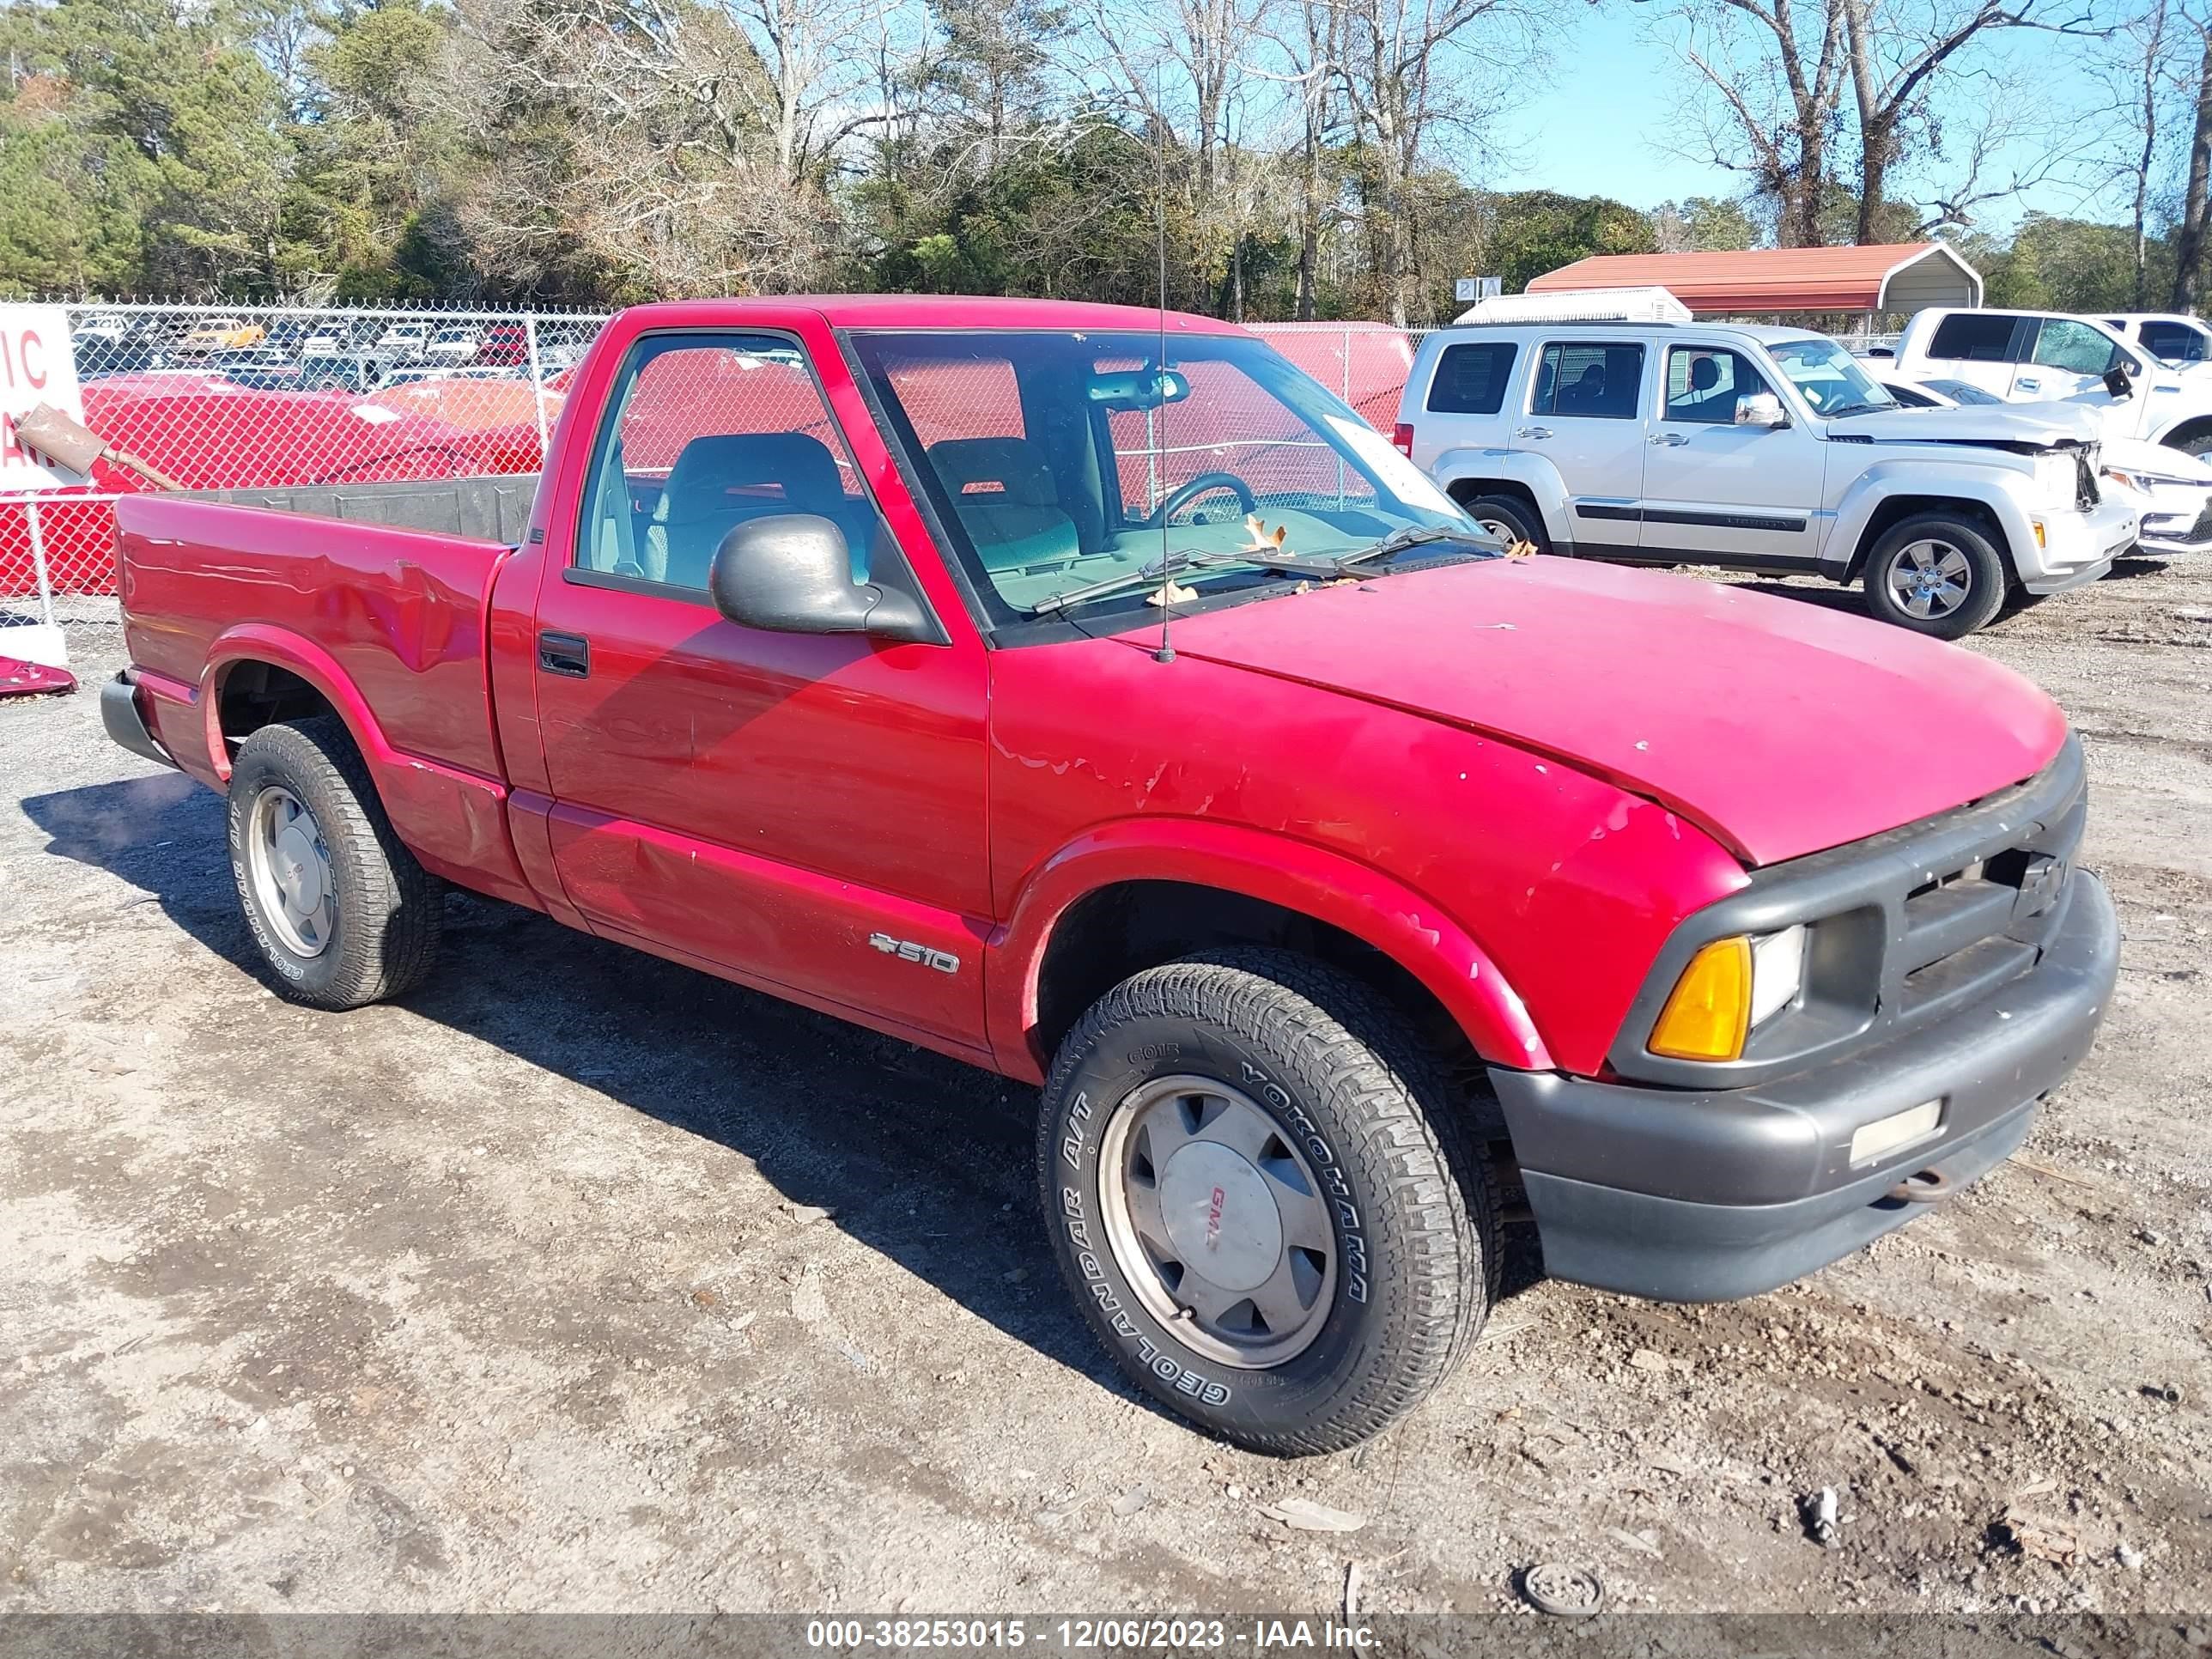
(2171, 490)
(1758, 449)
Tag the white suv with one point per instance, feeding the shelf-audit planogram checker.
(1761, 449)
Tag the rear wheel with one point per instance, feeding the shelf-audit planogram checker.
(1267, 1199)
(1509, 517)
(1935, 574)
(341, 911)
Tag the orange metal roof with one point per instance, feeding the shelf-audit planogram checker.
(1759, 279)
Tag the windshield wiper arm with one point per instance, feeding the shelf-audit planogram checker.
(1413, 535)
(1294, 564)
(1319, 567)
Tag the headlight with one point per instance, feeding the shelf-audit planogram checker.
(2146, 481)
(1778, 973)
(1730, 988)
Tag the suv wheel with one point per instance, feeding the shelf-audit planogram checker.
(1936, 575)
(1266, 1199)
(1508, 516)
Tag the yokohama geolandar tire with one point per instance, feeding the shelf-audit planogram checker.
(339, 909)
(1935, 574)
(1267, 1199)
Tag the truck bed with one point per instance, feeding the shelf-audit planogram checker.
(385, 584)
(495, 509)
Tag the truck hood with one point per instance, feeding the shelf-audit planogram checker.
(1777, 727)
(2047, 426)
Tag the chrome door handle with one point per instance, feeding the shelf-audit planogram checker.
(1667, 440)
(1533, 432)
(2025, 384)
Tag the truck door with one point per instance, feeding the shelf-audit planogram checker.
(1716, 492)
(2065, 358)
(1585, 414)
(804, 812)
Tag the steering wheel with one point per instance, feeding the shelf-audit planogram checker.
(1186, 493)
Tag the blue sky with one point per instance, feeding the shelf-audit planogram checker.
(1595, 129)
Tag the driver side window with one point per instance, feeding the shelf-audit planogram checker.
(1704, 384)
(704, 432)
(2075, 347)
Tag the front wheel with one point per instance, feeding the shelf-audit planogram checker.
(1266, 1199)
(1936, 575)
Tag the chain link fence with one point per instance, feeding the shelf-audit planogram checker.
(242, 397)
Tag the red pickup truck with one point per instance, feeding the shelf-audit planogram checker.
(1091, 695)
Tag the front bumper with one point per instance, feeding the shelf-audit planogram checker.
(2172, 524)
(1701, 1196)
(2077, 547)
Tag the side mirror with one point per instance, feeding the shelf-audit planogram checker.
(1760, 409)
(2119, 378)
(792, 574)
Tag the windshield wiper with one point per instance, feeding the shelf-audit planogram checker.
(1291, 563)
(1324, 567)
(1413, 535)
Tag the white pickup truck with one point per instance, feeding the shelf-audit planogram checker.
(2034, 356)
(2168, 335)
(1762, 449)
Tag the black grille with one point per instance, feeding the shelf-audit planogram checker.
(1904, 927)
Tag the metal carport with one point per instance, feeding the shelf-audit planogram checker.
(1896, 277)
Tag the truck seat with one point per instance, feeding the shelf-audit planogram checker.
(1004, 493)
(722, 479)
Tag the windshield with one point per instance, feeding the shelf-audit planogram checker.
(1828, 376)
(1066, 462)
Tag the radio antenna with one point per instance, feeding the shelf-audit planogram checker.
(1166, 652)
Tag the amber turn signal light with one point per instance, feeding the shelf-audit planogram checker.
(1710, 1010)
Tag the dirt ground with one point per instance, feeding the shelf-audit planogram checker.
(523, 1295)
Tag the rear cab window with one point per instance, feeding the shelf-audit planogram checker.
(1972, 336)
(1472, 378)
(1599, 379)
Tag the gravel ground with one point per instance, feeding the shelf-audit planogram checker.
(581, 1282)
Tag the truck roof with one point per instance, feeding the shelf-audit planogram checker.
(935, 311)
